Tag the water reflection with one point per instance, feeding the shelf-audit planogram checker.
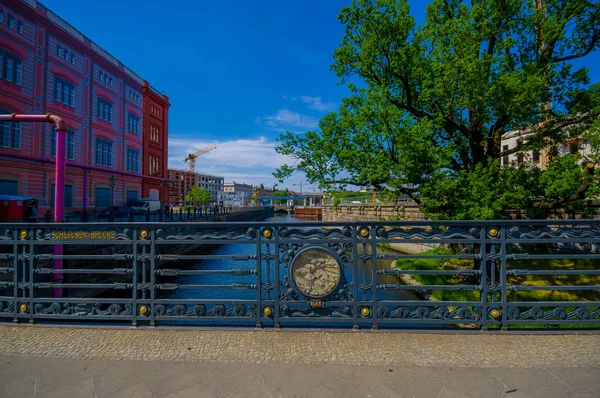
(364, 274)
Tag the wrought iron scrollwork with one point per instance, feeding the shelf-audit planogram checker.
(430, 313)
(201, 310)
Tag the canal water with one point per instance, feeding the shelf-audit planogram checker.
(268, 273)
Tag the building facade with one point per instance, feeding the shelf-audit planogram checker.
(539, 158)
(47, 66)
(155, 142)
(261, 195)
(236, 194)
(183, 181)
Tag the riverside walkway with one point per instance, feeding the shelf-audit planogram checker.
(109, 362)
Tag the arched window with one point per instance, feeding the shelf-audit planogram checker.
(10, 133)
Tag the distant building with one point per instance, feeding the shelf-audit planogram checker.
(185, 180)
(539, 158)
(258, 193)
(155, 142)
(48, 66)
(236, 194)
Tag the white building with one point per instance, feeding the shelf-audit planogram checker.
(513, 139)
(213, 184)
(236, 194)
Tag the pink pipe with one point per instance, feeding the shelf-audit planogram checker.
(59, 179)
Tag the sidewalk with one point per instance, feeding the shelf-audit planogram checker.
(61, 362)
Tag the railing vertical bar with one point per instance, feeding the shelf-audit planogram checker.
(355, 278)
(277, 295)
(134, 276)
(259, 281)
(503, 281)
(144, 261)
(374, 277)
(15, 275)
(483, 279)
(31, 280)
(152, 274)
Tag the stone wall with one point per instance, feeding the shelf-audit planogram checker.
(409, 211)
(372, 212)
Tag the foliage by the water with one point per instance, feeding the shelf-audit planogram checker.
(531, 280)
(198, 196)
(434, 101)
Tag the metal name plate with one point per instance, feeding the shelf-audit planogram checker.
(58, 235)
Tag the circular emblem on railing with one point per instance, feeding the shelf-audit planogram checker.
(315, 272)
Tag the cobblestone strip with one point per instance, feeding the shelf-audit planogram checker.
(465, 350)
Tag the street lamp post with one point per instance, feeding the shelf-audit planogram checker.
(112, 180)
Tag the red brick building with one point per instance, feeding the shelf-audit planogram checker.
(155, 142)
(47, 66)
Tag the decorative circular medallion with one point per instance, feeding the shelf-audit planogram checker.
(315, 272)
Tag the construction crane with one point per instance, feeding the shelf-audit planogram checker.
(192, 156)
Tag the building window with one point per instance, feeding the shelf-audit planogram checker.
(573, 148)
(154, 133)
(10, 67)
(64, 91)
(68, 195)
(10, 133)
(134, 96)
(133, 158)
(1, 15)
(104, 110)
(154, 165)
(20, 27)
(105, 78)
(70, 144)
(536, 156)
(133, 123)
(505, 157)
(11, 22)
(65, 54)
(103, 152)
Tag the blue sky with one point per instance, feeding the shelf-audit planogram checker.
(238, 73)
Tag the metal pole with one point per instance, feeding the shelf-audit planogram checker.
(59, 200)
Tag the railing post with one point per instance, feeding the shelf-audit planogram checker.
(258, 281)
(180, 212)
(148, 215)
(355, 279)
(15, 274)
(374, 277)
(483, 277)
(503, 281)
(277, 287)
(152, 274)
(31, 266)
(134, 275)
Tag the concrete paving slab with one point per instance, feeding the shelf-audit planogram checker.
(196, 363)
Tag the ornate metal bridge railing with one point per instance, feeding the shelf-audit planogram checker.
(488, 275)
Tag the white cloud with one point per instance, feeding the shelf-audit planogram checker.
(317, 103)
(244, 160)
(286, 118)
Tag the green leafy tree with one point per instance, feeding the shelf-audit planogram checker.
(197, 195)
(279, 194)
(430, 104)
